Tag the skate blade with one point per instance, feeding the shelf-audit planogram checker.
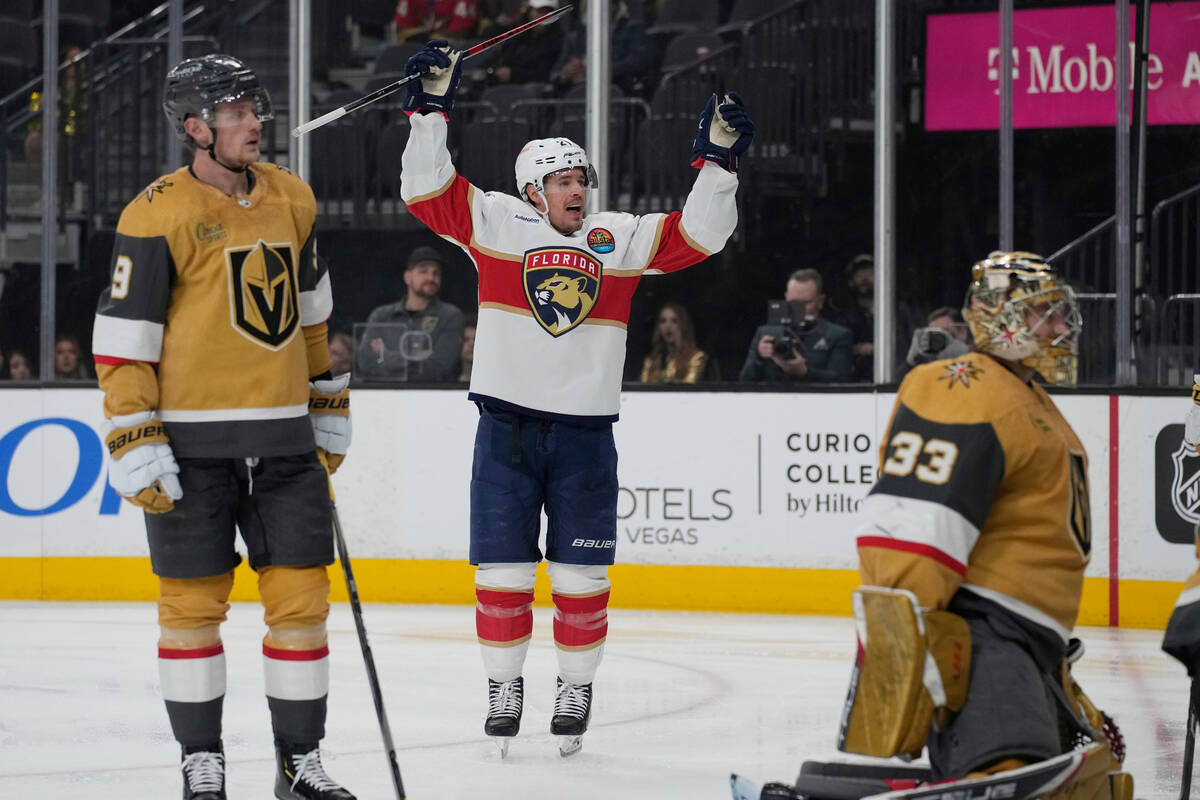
(742, 788)
(569, 745)
(502, 743)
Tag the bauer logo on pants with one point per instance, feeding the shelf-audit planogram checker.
(1176, 487)
(561, 287)
(262, 293)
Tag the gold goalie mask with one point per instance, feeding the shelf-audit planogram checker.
(1019, 309)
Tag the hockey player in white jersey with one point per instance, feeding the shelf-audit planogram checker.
(555, 286)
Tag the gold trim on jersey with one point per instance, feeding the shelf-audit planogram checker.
(524, 312)
(435, 193)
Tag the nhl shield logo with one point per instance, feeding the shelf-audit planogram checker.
(1185, 484)
(1176, 487)
(264, 298)
(561, 286)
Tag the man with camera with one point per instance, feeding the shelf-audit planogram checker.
(797, 344)
(945, 335)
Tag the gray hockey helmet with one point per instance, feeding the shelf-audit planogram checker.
(195, 87)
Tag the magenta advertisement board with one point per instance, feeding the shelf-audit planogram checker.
(1063, 67)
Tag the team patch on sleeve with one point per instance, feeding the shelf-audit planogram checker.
(957, 465)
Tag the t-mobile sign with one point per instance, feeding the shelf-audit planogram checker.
(1063, 68)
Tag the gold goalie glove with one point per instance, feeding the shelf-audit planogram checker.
(911, 665)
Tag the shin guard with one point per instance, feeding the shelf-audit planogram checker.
(580, 619)
(504, 617)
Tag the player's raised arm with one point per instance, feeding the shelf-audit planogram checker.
(666, 243)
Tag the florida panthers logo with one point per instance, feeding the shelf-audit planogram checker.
(561, 287)
(264, 301)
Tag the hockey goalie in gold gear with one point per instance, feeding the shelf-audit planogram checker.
(912, 671)
(1009, 301)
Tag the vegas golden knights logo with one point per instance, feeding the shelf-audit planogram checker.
(1081, 514)
(561, 287)
(263, 292)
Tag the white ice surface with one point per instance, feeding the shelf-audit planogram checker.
(682, 699)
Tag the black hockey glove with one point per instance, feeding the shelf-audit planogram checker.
(441, 70)
(725, 133)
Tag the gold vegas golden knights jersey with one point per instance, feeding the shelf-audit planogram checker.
(982, 488)
(215, 316)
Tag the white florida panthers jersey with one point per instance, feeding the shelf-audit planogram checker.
(553, 309)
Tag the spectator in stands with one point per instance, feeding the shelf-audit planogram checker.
(628, 44)
(20, 368)
(858, 314)
(534, 58)
(341, 351)
(466, 356)
(422, 20)
(3, 364)
(419, 337)
(68, 360)
(72, 120)
(674, 356)
(801, 345)
(945, 335)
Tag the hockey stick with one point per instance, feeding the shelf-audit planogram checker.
(383, 92)
(368, 658)
(1189, 746)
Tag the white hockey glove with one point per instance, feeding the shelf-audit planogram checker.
(329, 412)
(1191, 425)
(143, 469)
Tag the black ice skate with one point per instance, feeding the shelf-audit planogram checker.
(301, 777)
(572, 709)
(505, 699)
(203, 772)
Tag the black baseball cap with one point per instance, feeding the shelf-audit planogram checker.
(424, 253)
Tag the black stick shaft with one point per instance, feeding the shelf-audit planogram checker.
(368, 658)
(395, 86)
(1189, 749)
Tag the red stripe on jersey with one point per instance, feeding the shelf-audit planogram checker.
(500, 280)
(503, 616)
(580, 620)
(674, 248)
(616, 293)
(928, 551)
(449, 213)
(295, 655)
(113, 361)
(197, 652)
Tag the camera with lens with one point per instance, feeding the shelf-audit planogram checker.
(931, 343)
(795, 323)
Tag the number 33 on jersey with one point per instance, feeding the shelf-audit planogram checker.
(982, 486)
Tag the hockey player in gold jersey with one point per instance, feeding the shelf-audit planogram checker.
(211, 348)
(972, 546)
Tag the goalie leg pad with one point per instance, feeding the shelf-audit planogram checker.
(910, 663)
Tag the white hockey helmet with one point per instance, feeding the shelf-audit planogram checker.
(540, 157)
